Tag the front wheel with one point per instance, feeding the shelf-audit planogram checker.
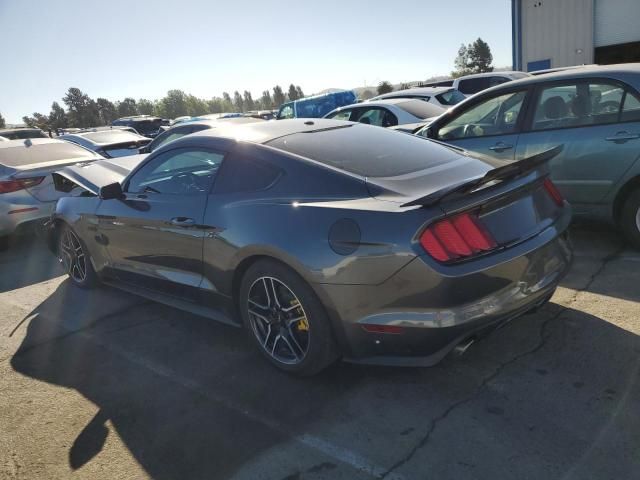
(285, 319)
(630, 219)
(74, 258)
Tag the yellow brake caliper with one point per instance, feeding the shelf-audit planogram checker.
(303, 324)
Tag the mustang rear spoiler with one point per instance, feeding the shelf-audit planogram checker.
(499, 174)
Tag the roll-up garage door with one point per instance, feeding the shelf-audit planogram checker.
(616, 22)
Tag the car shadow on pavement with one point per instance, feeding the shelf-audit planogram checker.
(27, 261)
(191, 399)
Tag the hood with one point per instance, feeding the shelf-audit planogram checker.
(92, 176)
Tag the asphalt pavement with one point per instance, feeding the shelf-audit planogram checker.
(103, 384)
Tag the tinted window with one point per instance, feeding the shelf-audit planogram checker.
(22, 134)
(245, 175)
(369, 152)
(182, 171)
(286, 112)
(380, 117)
(495, 116)
(630, 108)
(475, 85)
(577, 104)
(450, 98)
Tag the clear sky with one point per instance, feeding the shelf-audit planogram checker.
(142, 48)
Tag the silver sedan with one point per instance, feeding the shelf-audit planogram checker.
(394, 112)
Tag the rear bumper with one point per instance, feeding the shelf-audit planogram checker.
(437, 311)
(21, 212)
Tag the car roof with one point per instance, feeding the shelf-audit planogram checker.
(264, 132)
(492, 74)
(22, 142)
(587, 71)
(124, 134)
(414, 91)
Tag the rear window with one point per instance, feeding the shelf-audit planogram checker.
(112, 136)
(420, 109)
(22, 134)
(451, 97)
(49, 152)
(366, 151)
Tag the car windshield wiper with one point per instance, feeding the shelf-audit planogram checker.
(497, 174)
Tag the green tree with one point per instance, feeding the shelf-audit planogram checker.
(299, 92)
(214, 105)
(173, 105)
(367, 94)
(57, 116)
(2, 122)
(238, 103)
(38, 120)
(145, 107)
(384, 87)
(278, 96)
(461, 63)
(293, 93)
(82, 111)
(127, 107)
(473, 58)
(249, 104)
(265, 101)
(107, 112)
(196, 106)
(480, 57)
(227, 104)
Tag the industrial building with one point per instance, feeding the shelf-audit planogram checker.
(560, 33)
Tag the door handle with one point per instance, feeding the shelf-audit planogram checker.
(622, 137)
(183, 222)
(500, 147)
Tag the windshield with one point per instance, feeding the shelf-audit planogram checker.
(451, 97)
(420, 109)
(21, 155)
(113, 136)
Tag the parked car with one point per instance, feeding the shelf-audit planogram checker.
(22, 133)
(393, 112)
(261, 114)
(317, 106)
(189, 127)
(27, 194)
(109, 143)
(444, 97)
(105, 128)
(325, 239)
(593, 111)
(144, 124)
(472, 84)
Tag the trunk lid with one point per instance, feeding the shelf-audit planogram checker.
(94, 175)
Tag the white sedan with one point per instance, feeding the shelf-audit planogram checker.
(394, 112)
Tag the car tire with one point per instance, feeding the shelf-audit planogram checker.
(75, 259)
(285, 319)
(630, 219)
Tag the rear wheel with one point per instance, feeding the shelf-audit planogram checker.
(630, 219)
(74, 257)
(285, 319)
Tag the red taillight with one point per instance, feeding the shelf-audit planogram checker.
(9, 186)
(459, 237)
(553, 192)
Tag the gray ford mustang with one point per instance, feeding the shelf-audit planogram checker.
(325, 239)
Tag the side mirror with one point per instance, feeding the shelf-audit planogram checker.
(111, 191)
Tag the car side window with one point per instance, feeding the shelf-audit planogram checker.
(184, 171)
(630, 108)
(494, 116)
(242, 174)
(576, 105)
(286, 112)
(342, 115)
(380, 117)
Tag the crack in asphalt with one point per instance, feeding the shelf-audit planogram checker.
(543, 338)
